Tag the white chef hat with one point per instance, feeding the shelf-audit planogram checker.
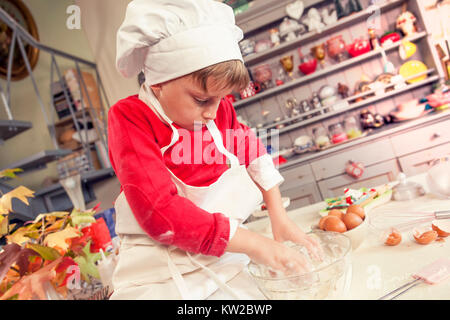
(168, 39)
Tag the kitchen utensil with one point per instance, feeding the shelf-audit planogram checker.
(288, 64)
(337, 133)
(321, 138)
(405, 190)
(409, 110)
(302, 144)
(251, 89)
(406, 49)
(263, 74)
(389, 38)
(404, 221)
(319, 53)
(247, 47)
(336, 48)
(358, 47)
(263, 45)
(433, 273)
(388, 66)
(412, 68)
(352, 128)
(308, 64)
(438, 177)
(329, 279)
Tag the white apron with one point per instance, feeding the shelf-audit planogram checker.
(149, 270)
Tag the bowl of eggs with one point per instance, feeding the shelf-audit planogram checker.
(352, 222)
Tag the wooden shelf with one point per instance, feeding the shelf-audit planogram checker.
(323, 73)
(311, 36)
(351, 107)
(11, 128)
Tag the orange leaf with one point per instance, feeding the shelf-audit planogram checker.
(33, 286)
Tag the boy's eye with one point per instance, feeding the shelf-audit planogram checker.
(201, 102)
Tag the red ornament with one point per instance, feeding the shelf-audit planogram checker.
(355, 169)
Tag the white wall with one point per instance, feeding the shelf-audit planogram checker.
(50, 17)
(100, 21)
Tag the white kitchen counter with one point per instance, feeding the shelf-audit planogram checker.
(377, 269)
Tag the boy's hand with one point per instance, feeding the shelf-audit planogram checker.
(284, 229)
(268, 252)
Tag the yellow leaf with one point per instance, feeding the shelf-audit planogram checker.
(10, 173)
(18, 236)
(56, 214)
(20, 193)
(59, 238)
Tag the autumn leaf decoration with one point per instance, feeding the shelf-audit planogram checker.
(38, 254)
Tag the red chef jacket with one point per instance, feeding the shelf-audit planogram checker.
(135, 137)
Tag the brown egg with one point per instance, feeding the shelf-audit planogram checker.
(336, 213)
(355, 208)
(334, 224)
(441, 227)
(426, 237)
(394, 238)
(351, 220)
(322, 221)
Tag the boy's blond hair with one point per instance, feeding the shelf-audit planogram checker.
(227, 74)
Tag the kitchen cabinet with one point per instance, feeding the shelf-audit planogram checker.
(375, 175)
(297, 176)
(420, 162)
(385, 151)
(421, 138)
(302, 195)
(368, 154)
(300, 186)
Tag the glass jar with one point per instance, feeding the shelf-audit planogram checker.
(321, 138)
(337, 133)
(352, 128)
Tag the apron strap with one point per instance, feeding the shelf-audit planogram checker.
(222, 285)
(217, 137)
(177, 278)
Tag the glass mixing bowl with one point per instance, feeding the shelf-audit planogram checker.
(438, 177)
(329, 279)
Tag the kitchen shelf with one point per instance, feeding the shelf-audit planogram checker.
(90, 176)
(324, 72)
(11, 128)
(39, 160)
(384, 131)
(351, 98)
(311, 36)
(351, 107)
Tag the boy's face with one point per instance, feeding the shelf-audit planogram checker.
(184, 101)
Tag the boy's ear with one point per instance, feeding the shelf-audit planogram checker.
(156, 88)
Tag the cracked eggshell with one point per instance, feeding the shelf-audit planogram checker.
(424, 235)
(392, 237)
(442, 227)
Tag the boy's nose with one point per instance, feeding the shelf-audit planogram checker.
(210, 114)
